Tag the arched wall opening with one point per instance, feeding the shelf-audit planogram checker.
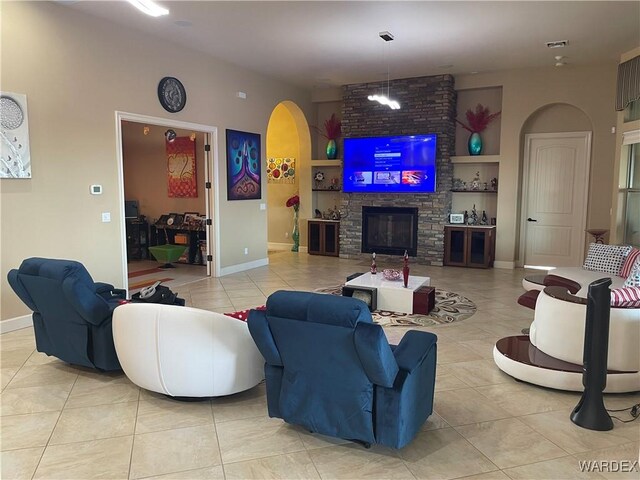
(551, 118)
(288, 138)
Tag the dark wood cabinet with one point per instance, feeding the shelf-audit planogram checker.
(469, 246)
(324, 237)
(137, 239)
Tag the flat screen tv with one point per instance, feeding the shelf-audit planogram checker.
(399, 164)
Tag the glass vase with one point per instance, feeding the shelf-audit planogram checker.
(475, 144)
(332, 150)
(296, 231)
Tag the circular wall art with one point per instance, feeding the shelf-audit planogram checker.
(172, 94)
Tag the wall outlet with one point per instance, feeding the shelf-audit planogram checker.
(106, 217)
(246, 251)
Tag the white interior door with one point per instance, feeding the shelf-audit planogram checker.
(556, 175)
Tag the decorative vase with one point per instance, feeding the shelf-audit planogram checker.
(332, 150)
(475, 144)
(405, 269)
(296, 231)
(374, 267)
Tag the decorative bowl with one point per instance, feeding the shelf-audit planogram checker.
(392, 274)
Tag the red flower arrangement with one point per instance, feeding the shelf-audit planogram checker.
(294, 201)
(332, 128)
(478, 120)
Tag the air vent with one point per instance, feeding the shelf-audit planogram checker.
(386, 36)
(558, 44)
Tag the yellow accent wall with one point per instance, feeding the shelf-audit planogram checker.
(282, 142)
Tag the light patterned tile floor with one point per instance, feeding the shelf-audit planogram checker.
(63, 422)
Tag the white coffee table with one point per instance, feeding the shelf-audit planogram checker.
(392, 296)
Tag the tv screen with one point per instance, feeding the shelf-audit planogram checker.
(399, 164)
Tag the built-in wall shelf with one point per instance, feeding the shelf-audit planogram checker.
(475, 159)
(326, 163)
(474, 191)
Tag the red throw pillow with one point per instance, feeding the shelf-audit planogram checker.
(625, 297)
(244, 314)
(632, 257)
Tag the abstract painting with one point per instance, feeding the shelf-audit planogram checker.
(15, 158)
(243, 166)
(281, 170)
(181, 168)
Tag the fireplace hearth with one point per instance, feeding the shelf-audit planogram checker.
(390, 230)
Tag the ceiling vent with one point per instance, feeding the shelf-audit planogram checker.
(558, 44)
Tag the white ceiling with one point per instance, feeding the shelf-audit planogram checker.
(318, 44)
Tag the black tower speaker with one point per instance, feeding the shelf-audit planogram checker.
(590, 412)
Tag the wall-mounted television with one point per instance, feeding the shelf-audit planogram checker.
(398, 164)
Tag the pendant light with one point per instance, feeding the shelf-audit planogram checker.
(383, 99)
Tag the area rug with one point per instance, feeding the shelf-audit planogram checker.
(450, 307)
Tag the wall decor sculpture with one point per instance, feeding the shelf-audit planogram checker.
(243, 166)
(181, 168)
(15, 157)
(281, 170)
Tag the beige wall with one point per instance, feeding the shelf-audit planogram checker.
(76, 71)
(282, 142)
(590, 89)
(145, 171)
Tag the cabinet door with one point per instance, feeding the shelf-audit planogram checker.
(478, 247)
(331, 244)
(455, 246)
(315, 246)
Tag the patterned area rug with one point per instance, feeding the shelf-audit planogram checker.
(450, 307)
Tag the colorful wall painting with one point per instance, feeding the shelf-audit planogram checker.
(181, 168)
(281, 170)
(243, 166)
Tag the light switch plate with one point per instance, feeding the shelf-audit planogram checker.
(106, 217)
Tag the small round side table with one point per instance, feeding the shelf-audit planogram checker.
(598, 234)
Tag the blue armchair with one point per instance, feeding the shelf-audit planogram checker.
(71, 312)
(331, 370)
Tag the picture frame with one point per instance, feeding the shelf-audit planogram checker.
(456, 218)
(244, 165)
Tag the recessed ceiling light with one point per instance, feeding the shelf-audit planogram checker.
(446, 65)
(149, 7)
(473, 73)
(558, 44)
(183, 23)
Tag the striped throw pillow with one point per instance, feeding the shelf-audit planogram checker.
(606, 258)
(630, 262)
(633, 280)
(625, 297)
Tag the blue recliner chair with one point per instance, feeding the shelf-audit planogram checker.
(331, 370)
(71, 312)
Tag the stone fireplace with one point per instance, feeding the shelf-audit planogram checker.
(390, 230)
(428, 106)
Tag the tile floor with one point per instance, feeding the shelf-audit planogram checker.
(62, 422)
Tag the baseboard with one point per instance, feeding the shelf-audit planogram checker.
(16, 323)
(279, 246)
(501, 264)
(285, 247)
(241, 267)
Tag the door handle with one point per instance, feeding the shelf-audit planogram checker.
(531, 220)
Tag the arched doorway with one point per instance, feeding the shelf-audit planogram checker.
(288, 138)
(554, 185)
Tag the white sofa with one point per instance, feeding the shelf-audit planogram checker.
(558, 331)
(185, 352)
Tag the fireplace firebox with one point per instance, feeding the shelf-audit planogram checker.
(390, 230)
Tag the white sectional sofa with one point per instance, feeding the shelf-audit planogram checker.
(558, 331)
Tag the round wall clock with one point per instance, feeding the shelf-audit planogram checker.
(172, 94)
